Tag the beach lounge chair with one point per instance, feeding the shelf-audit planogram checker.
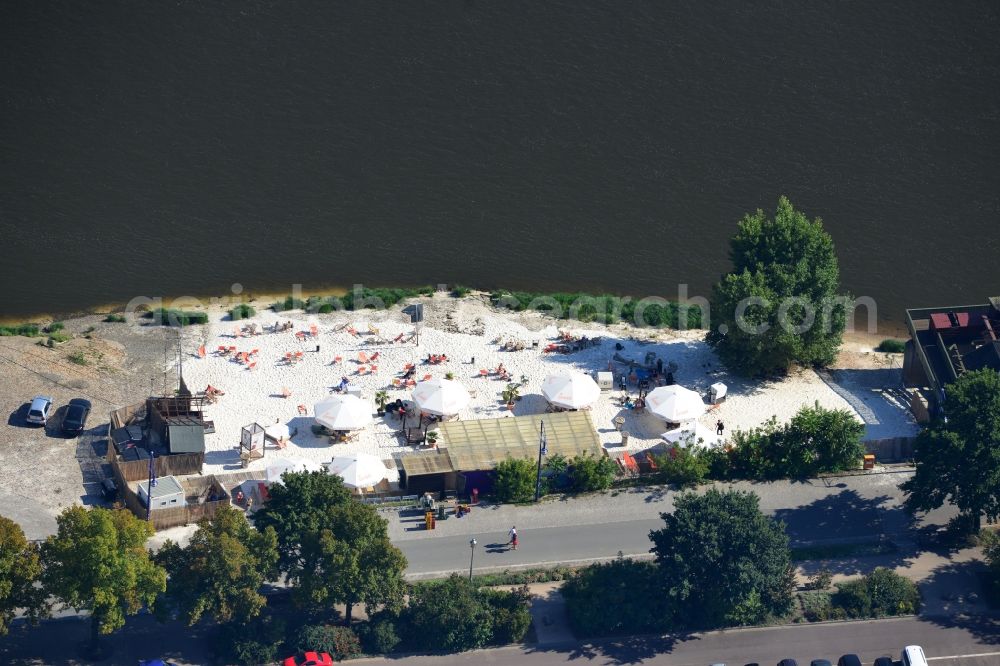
(484, 373)
(397, 382)
(398, 338)
(300, 335)
(426, 378)
(314, 329)
(237, 333)
(362, 357)
(254, 352)
(352, 331)
(303, 410)
(244, 357)
(373, 330)
(362, 370)
(252, 366)
(201, 351)
(411, 383)
(232, 349)
(222, 350)
(374, 369)
(374, 357)
(286, 392)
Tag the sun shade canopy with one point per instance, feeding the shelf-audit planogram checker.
(481, 444)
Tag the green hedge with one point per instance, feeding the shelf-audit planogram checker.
(369, 299)
(27, 330)
(891, 346)
(602, 308)
(115, 318)
(242, 311)
(616, 597)
(171, 317)
(881, 593)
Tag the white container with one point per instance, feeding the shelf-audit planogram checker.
(606, 381)
(717, 392)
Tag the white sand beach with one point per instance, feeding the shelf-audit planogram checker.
(469, 332)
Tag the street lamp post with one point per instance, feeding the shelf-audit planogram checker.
(542, 450)
(472, 556)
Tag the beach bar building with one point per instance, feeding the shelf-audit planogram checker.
(947, 342)
(469, 451)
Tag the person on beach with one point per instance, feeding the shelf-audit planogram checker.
(719, 427)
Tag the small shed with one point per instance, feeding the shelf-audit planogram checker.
(186, 438)
(427, 472)
(167, 494)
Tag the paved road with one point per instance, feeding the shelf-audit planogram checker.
(537, 547)
(946, 645)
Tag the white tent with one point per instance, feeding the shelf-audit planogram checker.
(675, 404)
(358, 470)
(441, 397)
(692, 433)
(279, 466)
(570, 390)
(343, 412)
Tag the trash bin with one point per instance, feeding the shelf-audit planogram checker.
(429, 520)
(869, 461)
(441, 515)
(625, 435)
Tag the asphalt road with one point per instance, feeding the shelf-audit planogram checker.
(537, 547)
(945, 645)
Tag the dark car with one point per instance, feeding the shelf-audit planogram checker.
(76, 416)
(849, 660)
(787, 662)
(884, 661)
(820, 662)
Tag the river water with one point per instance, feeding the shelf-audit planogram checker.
(155, 148)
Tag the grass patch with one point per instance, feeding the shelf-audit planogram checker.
(842, 551)
(115, 318)
(508, 577)
(242, 311)
(79, 358)
(891, 346)
(26, 330)
(55, 327)
(59, 337)
(370, 299)
(171, 317)
(458, 291)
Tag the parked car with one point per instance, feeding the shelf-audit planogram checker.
(913, 655)
(787, 662)
(883, 661)
(309, 659)
(38, 412)
(75, 419)
(820, 662)
(849, 660)
(109, 491)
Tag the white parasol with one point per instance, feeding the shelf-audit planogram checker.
(441, 397)
(571, 390)
(279, 466)
(692, 433)
(675, 404)
(358, 470)
(343, 412)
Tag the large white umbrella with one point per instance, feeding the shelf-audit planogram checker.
(441, 397)
(692, 433)
(675, 404)
(343, 412)
(279, 466)
(571, 390)
(358, 470)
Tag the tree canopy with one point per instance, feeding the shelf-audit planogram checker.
(722, 561)
(333, 549)
(958, 458)
(220, 572)
(515, 480)
(20, 568)
(97, 561)
(787, 266)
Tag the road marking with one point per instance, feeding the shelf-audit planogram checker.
(966, 656)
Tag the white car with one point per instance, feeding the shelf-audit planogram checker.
(38, 412)
(913, 655)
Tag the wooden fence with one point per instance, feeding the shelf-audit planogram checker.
(175, 464)
(891, 449)
(198, 506)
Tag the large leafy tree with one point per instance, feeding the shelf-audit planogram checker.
(722, 561)
(20, 569)
(787, 264)
(221, 570)
(515, 480)
(958, 457)
(333, 549)
(97, 561)
(449, 616)
(354, 562)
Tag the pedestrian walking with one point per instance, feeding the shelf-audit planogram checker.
(513, 537)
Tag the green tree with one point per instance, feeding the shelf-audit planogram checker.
(788, 265)
(339, 642)
(449, 616)
(830, 440)
(881, 593)
(221, 571)
(97, 561)
(20, 569)
(356, 563)
(515, 480)
(298, 507)
(333, 549)
(589, 473)
(684, 465)
(511, 614)
(616, 597)
(958, 459)
(722, 561)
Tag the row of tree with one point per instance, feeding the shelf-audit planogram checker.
(516, 478)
